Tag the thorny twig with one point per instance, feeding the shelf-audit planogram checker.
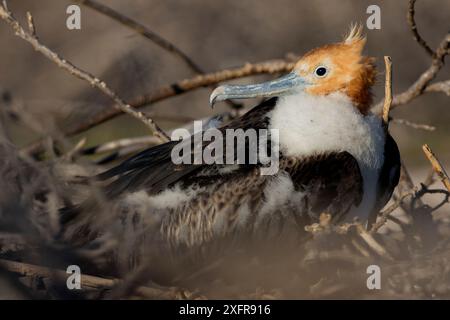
(121, 105)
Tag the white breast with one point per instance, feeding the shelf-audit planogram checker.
(311, 125)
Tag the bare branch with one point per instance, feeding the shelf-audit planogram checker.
(78, 148)
(387, 91)
(437, 166)
(443, 86)
(72, 69)
(421, 84)
(384, 215)
(412, 25)
(175, 89)
(31, 26)
(183, 86)
(127, 146)
(372, 243)
(94, 282)
(413, 124)
(119, 144)
(143, 30)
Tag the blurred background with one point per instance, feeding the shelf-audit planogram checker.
(41, 100)
(216, 35)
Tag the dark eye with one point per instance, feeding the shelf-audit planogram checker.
(320, 71)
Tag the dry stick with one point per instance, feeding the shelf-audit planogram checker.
(30, 22)
(413, 124)
(372, 243)
(413, 27)
(93, 282)
(267, 67)
(406, 183)
(77, 149)
(136, 142)
(143, 30)
(421, 84)
(385, 214)
(175, 89)
(443, 86)
(72, 69)
(387, 92)
(149, 34)
(435, 163)
(429, 180)
(120, 144)
(387, 97)
(183, 86)
(275, 66)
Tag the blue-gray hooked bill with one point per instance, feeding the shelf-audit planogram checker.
(286, 84)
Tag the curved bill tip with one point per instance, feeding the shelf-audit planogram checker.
(216, 95)
(282, 85)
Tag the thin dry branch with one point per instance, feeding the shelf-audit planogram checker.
(413, 124)
(437, 166)
(126, 146)
(268, 67)
(443, 86)
(144, 31)
(372, 243)
(405, 186)
(413, 27)
(30, 22)
(183, 86)
(119, 144)
(421, 84)
(385, 214)
(387, 91)
(175, 89)
(77, 149)
(92, 282)
(149, 34)
(121, 105)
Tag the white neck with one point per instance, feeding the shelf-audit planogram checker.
(311, 125)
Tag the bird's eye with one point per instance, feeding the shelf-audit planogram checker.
(320, 71)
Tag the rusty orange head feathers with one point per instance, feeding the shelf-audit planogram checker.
(338, 67)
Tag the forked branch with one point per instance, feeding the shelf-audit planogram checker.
(31, 38)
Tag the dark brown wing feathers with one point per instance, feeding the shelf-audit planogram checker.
(331, 182)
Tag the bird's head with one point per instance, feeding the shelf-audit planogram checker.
(338, 67)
